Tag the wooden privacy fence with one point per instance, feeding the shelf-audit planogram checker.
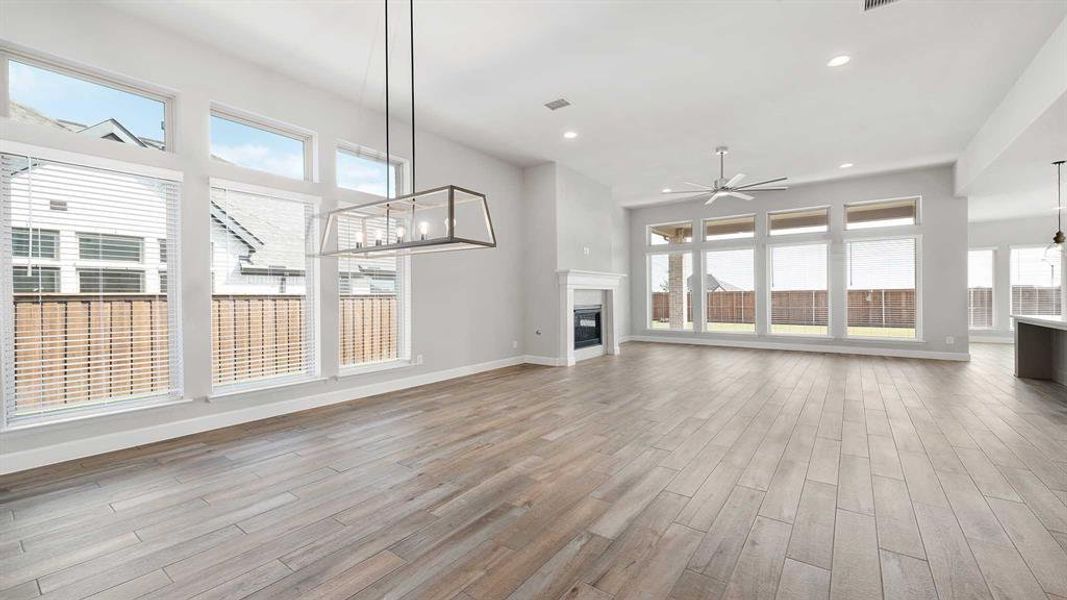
(76, 349)
(867, 308)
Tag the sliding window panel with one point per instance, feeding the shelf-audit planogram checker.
(980, 289)
(882, 296)
(263, 289)
(91, 326)
(670, 291)
(799, 299)
(1035, 282)
(730, 285)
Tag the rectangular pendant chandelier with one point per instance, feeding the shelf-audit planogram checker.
(436, 220)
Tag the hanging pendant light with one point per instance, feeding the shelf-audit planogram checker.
(439, 219)
(1055, 249)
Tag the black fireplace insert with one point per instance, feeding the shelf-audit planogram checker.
(586, 327)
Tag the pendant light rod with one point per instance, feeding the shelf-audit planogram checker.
(411, 33)
(1059, 195)
(388, 160)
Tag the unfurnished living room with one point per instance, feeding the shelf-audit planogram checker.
(533, 299)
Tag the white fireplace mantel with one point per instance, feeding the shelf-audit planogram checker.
(611, 285)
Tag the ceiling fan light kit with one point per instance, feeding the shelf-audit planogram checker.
(440, 219)
(728, 187)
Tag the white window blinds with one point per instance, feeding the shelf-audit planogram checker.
(86, 324)
(1035, 282)
(980, 289)
(799, 302)
(262, 303)
(730, 285)
(881, 288)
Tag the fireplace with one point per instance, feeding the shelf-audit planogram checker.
(587, 327)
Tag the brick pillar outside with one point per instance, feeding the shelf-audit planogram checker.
(676, 283)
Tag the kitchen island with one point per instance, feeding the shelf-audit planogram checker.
(1041, 347)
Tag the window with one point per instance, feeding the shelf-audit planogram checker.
(110, 247)
(38, 243)
(730, 285)
(263, 288)
(1035, 282)
(84, 106)
(79, 341)
(883, 213)
(799, 302)
(980, 289)
(812, 220)
(370, 308)
(162, 251)
(670, 233)
(365, 171)
(35, 280)
(110, 281)
(670, 291)
(730, 228)
(258, 147)
(881, 288)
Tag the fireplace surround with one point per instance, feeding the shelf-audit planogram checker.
(610, 284)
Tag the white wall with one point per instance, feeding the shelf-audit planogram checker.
(467, 306)
(943, 233)
(1000, 236)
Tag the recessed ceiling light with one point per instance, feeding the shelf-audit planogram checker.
(845, 166)
(666, 190)
(838, 61)
(570, 135)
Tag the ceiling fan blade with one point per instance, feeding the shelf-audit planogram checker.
(689, 191)
(699, 185)
(716, 196)
(762, 182)
(736, 179)
(766, 189)
(740, 195)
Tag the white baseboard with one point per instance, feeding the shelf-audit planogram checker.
(587, 353)
(547, 361)
(38, 457)
(774, 345)
(992, 339)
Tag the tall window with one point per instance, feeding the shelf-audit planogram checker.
(980, 289)
(88, 332)
(366, 171)
(262, 290)
(670, 291)
(730, 285)
(809, 220)
(799, 302)
(670, 233)
(881, 288)
(84, 106)
(882, 213)
(258, 147)
(1035, 282)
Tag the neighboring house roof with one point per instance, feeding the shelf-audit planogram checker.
(107, 129)
(713, 284)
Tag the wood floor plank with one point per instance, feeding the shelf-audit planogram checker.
(855, 574)
(759, 567)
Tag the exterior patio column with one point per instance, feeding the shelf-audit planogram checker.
(676, 283)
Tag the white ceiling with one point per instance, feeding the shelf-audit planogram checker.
(655, 86)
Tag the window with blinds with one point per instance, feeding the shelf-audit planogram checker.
(730, 285)
(882, 213)
(670, 291)
(371, 301)
(730, 228)
(880, 275)
(88, 328)
(262, 302)
(809, 220)
(980, 289)
(799, 299)
(1035, 282)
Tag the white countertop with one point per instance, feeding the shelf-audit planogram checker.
(1053, 322)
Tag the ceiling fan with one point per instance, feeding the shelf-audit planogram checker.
(729, 187)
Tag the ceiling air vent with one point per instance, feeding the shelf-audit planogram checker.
(557, 104)
(872, 4)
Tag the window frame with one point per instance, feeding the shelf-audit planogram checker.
(1011, 296)
(91, 75)
(749, 239)
(694, 305)
(919, 336)
(306, 138)
(659, 248)
(769, 231)
(918, 214)
(790, 241)
(703, 292)
(401, 164)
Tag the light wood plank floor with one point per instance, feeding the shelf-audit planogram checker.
(668, 472)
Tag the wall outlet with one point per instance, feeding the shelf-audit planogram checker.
(585, 250)
(418, 359)
(950, 340)
(514, 344)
